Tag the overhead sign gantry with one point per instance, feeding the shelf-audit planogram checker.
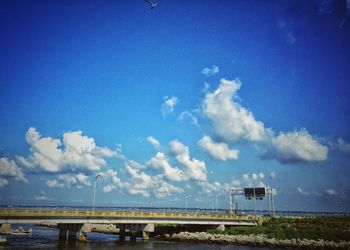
(255, 193)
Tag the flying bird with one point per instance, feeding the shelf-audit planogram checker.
(153, 5)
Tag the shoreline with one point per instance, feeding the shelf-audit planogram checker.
(255, 240)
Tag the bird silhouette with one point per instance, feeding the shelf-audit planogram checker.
(153, 5)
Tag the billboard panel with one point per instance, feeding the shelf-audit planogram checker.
(257, 192)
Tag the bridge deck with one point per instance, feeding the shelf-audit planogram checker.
(84, 216)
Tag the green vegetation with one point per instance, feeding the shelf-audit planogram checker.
(326, 228)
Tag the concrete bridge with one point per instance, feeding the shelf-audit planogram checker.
(75, 223)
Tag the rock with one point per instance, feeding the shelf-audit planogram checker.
(258, 240)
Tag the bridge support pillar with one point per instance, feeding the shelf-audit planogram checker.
(5, 228)
(73, 230)
(145, 235)
(132, 235)
(72, 235)
(121, 234)
(149, 228)
(62, 236)
(135, 229)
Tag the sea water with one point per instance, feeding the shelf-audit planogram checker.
(47, 238)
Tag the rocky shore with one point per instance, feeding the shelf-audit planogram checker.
(256, 240)
(104, 228)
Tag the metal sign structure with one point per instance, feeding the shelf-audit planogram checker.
(256, 193)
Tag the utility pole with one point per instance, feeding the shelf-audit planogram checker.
(254, 200)
(93, 203)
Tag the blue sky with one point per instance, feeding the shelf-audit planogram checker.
(187, 99)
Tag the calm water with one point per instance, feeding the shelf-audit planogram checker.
(47, 238)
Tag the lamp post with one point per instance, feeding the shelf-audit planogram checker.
(93, 203)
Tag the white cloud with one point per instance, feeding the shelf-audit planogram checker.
(231, 121)
(206, 87)
(331, 192)
(307, 193)
(139, 182)
(25, 162)
(144, 184)
(41, 197)
(154, 142)
(172, 173)
(236, 183)
(188, 115)
(77, 180)
(116, 182)
(54, 184)
(207, 72)
(168, 105)
(76, 151)
(208, 188)
(343, 146)
(3, 182)
(109, 188)
(253, 180)
(298, 146)
(303, 192)
(195, 169)
(8, 168)
(219, 151)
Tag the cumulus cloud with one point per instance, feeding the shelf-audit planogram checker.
(234, 123)
(139, 182)
(168, 105)
(41, 197)
(3, 182)
(231, 121)
(297, 146)
(76, 151)
(195, 169)
(209, 188)
(25, 162)
(253, 180)
(219, 151)
(154, 142)
(172, 173)
(9, 168)
(116, 182)
(54, 184)
(75, 180)
(144, 184)
(207, 72)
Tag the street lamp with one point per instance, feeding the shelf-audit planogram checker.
(93, 203)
